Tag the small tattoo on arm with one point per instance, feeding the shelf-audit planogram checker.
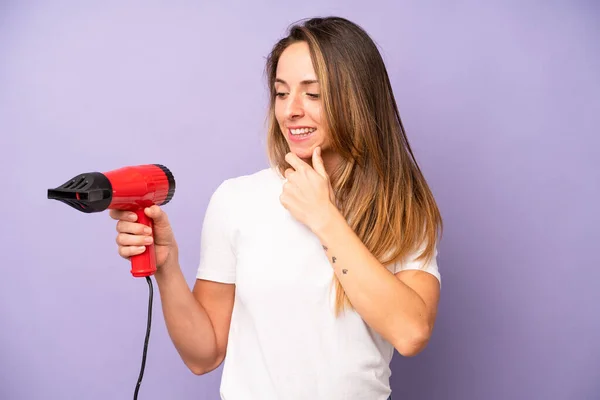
(345, 271)
(325, 248)
(333, 259)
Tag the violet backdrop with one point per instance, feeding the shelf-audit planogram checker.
(500, 102)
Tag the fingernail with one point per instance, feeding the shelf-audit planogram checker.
(147, 230)
(148, 239)
(132, 216)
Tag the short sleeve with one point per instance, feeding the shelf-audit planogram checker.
(411, 263)
(217, 256)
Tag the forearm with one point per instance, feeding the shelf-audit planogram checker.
(187, 322)
(384, 302)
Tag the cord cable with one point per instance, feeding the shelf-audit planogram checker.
(145, 351)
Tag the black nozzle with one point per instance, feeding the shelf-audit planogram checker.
(89, 192)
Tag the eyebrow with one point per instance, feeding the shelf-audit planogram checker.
(304, 82)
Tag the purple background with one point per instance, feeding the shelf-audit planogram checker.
(501, 105)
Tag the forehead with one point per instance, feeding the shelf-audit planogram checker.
(295, 64)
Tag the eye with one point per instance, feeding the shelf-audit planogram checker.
(313, 95)
(280, 94)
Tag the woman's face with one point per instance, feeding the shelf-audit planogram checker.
(298, 107)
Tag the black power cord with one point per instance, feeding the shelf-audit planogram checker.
(149, 324)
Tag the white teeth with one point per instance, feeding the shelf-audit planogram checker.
(302, 131)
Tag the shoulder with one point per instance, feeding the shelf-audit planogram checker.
(417, 260)
(260, 177)
(240, 200)
(255, 181)
(242, 186)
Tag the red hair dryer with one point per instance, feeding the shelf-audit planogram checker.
(130, 188)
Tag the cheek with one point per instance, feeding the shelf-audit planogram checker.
(314, 111)
(316, 115)
(278, 112)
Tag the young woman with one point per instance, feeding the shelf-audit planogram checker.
(314, 270)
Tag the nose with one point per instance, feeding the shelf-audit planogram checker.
(294, 108)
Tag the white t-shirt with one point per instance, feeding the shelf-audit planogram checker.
(285, 342)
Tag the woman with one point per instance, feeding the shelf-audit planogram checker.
(314, 270)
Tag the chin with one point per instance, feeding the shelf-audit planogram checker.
(303, 152)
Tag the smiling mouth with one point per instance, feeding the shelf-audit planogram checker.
(302, 132)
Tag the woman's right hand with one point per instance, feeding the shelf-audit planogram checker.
(132, 236)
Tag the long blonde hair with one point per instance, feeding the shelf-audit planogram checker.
(379, 186)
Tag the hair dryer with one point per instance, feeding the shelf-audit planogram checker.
(131, 188)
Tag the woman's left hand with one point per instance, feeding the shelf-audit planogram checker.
(308, 194)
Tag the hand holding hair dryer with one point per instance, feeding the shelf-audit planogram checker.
(131, 188)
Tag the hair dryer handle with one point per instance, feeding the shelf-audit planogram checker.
(144, 264)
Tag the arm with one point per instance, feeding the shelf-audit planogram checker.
(402, 307)
(197, 321)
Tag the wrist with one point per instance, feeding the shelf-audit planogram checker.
(327, 223)
(171, 263)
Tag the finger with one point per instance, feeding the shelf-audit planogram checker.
(122, 215)
(289, 187)
(284, 199)
(288, 193)
(295, 161)
(317, 162)
(158, 216)
(289, 173)
(130, 251)
(125, 239)
(133, 228)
